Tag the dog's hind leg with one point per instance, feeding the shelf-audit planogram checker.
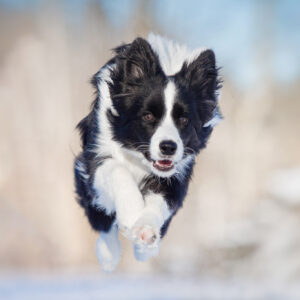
(108, 249)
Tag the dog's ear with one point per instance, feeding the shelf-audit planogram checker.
(137, 61)
(201, 77)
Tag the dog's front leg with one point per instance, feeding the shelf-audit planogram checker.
(146, 230)
(114, 181)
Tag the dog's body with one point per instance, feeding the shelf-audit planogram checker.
(155, 108)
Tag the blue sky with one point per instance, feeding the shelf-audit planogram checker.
(235, 29)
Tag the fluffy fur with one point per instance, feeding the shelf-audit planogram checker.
(155, 108)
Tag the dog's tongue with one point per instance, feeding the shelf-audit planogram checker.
(165, 162)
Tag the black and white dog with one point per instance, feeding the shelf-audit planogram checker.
(155, 108)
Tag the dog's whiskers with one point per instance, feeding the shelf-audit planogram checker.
(144, 147)
(121, 95)
(188, 150)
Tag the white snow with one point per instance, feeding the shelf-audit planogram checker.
(124, 287)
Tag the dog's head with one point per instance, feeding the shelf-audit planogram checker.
(164, 102)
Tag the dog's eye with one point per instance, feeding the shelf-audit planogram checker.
(148, 117)
(183, 121)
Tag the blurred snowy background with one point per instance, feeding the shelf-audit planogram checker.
(238, 235)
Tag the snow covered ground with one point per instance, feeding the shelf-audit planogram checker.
(122, 287)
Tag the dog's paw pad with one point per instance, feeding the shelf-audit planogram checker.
(146, 235)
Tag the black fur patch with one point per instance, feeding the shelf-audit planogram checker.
(137, 88)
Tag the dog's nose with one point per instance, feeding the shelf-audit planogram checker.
(168, 147)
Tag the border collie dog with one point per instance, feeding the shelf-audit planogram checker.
(155, 108)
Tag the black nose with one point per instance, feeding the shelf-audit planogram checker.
(168, 147)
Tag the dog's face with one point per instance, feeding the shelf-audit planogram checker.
(163, 118)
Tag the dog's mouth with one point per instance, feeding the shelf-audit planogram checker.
(163, 165)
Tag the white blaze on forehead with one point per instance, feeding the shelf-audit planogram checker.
(167, 130)
(170, 93)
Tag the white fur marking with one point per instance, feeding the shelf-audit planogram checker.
(214, 121)
(166, 131)
(106, 144)
(82, 171)
(170, 93)
(171, 54)
(181, 166)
